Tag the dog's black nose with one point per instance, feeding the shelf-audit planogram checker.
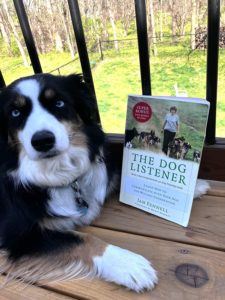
(43, 141)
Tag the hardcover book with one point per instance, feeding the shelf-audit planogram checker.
(164, 139)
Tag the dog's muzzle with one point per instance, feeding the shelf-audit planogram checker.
(43, 141)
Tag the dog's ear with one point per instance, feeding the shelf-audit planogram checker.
(84, 98)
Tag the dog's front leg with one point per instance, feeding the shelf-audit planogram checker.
(125, 268)
(81, 255)
(117, 265)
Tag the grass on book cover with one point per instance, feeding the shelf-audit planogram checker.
(144, 129)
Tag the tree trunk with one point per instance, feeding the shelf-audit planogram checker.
(41, 44)
(5, 35)
(67, 32)
(100, 49)
(105, 30)
(172, 5)
(198, 14)
(193, 24)
(51, 29)
(53, 10)
(161, 20)
(58, 42)
(125, 29)
(152, 24)
(184, 18)
(16, 35)
(111, 17)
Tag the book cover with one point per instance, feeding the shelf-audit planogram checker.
(164, 139)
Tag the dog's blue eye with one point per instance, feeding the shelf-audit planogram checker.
(15, 113)
(59, 103)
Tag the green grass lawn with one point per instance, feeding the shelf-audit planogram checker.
(13, 68)
(118, 75)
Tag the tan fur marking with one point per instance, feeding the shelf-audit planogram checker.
(76, 136)
(91, 247)
(13, 140)
(49, 94)
(20, 101)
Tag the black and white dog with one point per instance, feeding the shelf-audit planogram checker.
(55, 175)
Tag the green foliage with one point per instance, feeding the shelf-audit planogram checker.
(13, 51)
(13, 68)
(118, 75)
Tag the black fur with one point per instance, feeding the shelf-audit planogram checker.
(23, 208)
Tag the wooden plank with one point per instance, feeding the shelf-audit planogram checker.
(217, 188)
(165, 256)
(206, 226)
(205, 229)
(20, 291)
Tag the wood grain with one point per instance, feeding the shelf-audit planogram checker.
(217, 188)
(206, 226)
(165, 256)
(166, 244)
(20, 291)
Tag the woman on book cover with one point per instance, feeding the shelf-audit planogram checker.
(170, 127)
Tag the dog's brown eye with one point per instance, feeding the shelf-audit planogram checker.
(59, 103)
(15, 113)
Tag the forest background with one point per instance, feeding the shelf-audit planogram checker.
(177, 33)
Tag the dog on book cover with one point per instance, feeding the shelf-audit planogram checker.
(55, 174)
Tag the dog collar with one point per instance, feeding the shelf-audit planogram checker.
(82, 205)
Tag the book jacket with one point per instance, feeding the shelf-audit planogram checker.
(164, 139)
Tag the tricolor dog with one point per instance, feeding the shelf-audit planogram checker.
(55, 175)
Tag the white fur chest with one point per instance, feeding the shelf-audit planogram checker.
(63, 207)
(62, 202)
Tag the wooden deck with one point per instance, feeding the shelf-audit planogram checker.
(200, 248)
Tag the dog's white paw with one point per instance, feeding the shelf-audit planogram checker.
(201, 188)
(125, 268)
